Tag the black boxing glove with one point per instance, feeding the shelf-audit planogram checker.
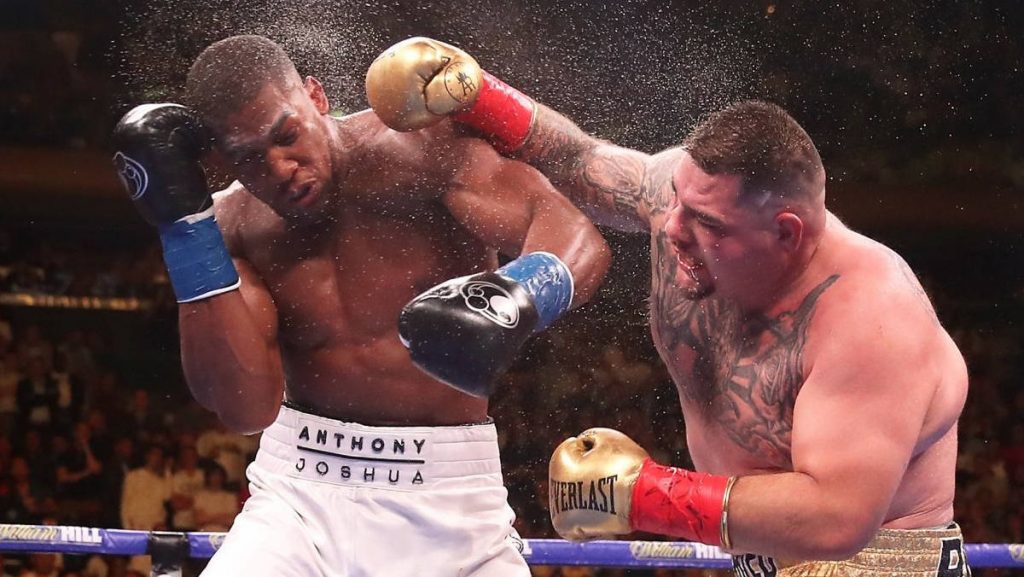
(467, 331)
(157, 159)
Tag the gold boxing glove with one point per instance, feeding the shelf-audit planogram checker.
(604, 484)
(591, 484)
(419, 81)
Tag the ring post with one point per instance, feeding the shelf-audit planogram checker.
(168, 552)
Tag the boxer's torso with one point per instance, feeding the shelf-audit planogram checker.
(739, 375)
(339, 286)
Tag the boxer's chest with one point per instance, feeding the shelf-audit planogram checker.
(348, 284)
(736, 383)
(738, 377)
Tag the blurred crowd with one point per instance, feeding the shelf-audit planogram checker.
(85, 441)
(34, 263)
(932, 108)
(55, 72)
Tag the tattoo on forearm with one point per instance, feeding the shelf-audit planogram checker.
(593, 173)
(556, 146)
(746, 370)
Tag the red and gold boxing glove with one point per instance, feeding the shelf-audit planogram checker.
(419, 81)
(604, 484)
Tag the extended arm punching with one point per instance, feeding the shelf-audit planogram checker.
(419, 81)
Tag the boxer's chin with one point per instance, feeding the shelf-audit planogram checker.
(697, 292)
(312, 205)
(694, 282)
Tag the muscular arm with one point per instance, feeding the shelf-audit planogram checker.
(229, 352)
(857, 424)
(515, 209)
(608, 182)
(611, 184)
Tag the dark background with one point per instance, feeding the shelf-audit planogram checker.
(914, 105)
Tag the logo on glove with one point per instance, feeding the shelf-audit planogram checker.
(491, 301)
(460, 85)
(133, 176)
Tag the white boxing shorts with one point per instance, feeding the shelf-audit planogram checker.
(340, 499)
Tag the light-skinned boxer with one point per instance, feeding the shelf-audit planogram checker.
(819, 390)
(293, 283)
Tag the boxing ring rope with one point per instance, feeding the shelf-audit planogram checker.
(169, 550)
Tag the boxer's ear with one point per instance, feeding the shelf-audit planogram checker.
(789, 230)
(316, 93)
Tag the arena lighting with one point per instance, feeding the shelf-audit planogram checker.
(70, 302)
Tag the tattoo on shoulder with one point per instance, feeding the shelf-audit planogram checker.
(657, 191)
(914, 282)
(613, 180)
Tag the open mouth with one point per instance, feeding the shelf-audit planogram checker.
(302, 195)
(690, 266)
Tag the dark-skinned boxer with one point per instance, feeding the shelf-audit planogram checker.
(292, 284)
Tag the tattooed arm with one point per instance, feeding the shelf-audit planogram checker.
(873, 438)
(612, 184)
(615, 186)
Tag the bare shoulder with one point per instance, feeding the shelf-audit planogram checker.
(454, 157)
(875, 333)
(367, 131)
(237, 211)
(415, 163)
(886, 280)
(877, 307)
(657, 192)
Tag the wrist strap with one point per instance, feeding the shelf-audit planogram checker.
(548, 281)
(678, 503)
(197, 259)
(502, 113)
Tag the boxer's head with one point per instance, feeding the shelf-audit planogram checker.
(267, 121)
(750, 203)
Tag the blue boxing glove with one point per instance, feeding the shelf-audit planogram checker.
(467, 331)
(157, 159)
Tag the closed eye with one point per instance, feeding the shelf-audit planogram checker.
(704, 220)
(287, 138)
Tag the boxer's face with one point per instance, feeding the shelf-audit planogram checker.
(722, 245)
(280, 147)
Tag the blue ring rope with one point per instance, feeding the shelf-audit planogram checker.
(629, 554)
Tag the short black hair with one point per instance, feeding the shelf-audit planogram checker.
(761, 143)
(230, 73)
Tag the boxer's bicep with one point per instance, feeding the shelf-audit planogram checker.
(860, 412)
(230, 354)
(514, 208)
(479, 200)
(611, 188)
(510, 205)
(856, 423)
(229, 206)
(260, 304)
